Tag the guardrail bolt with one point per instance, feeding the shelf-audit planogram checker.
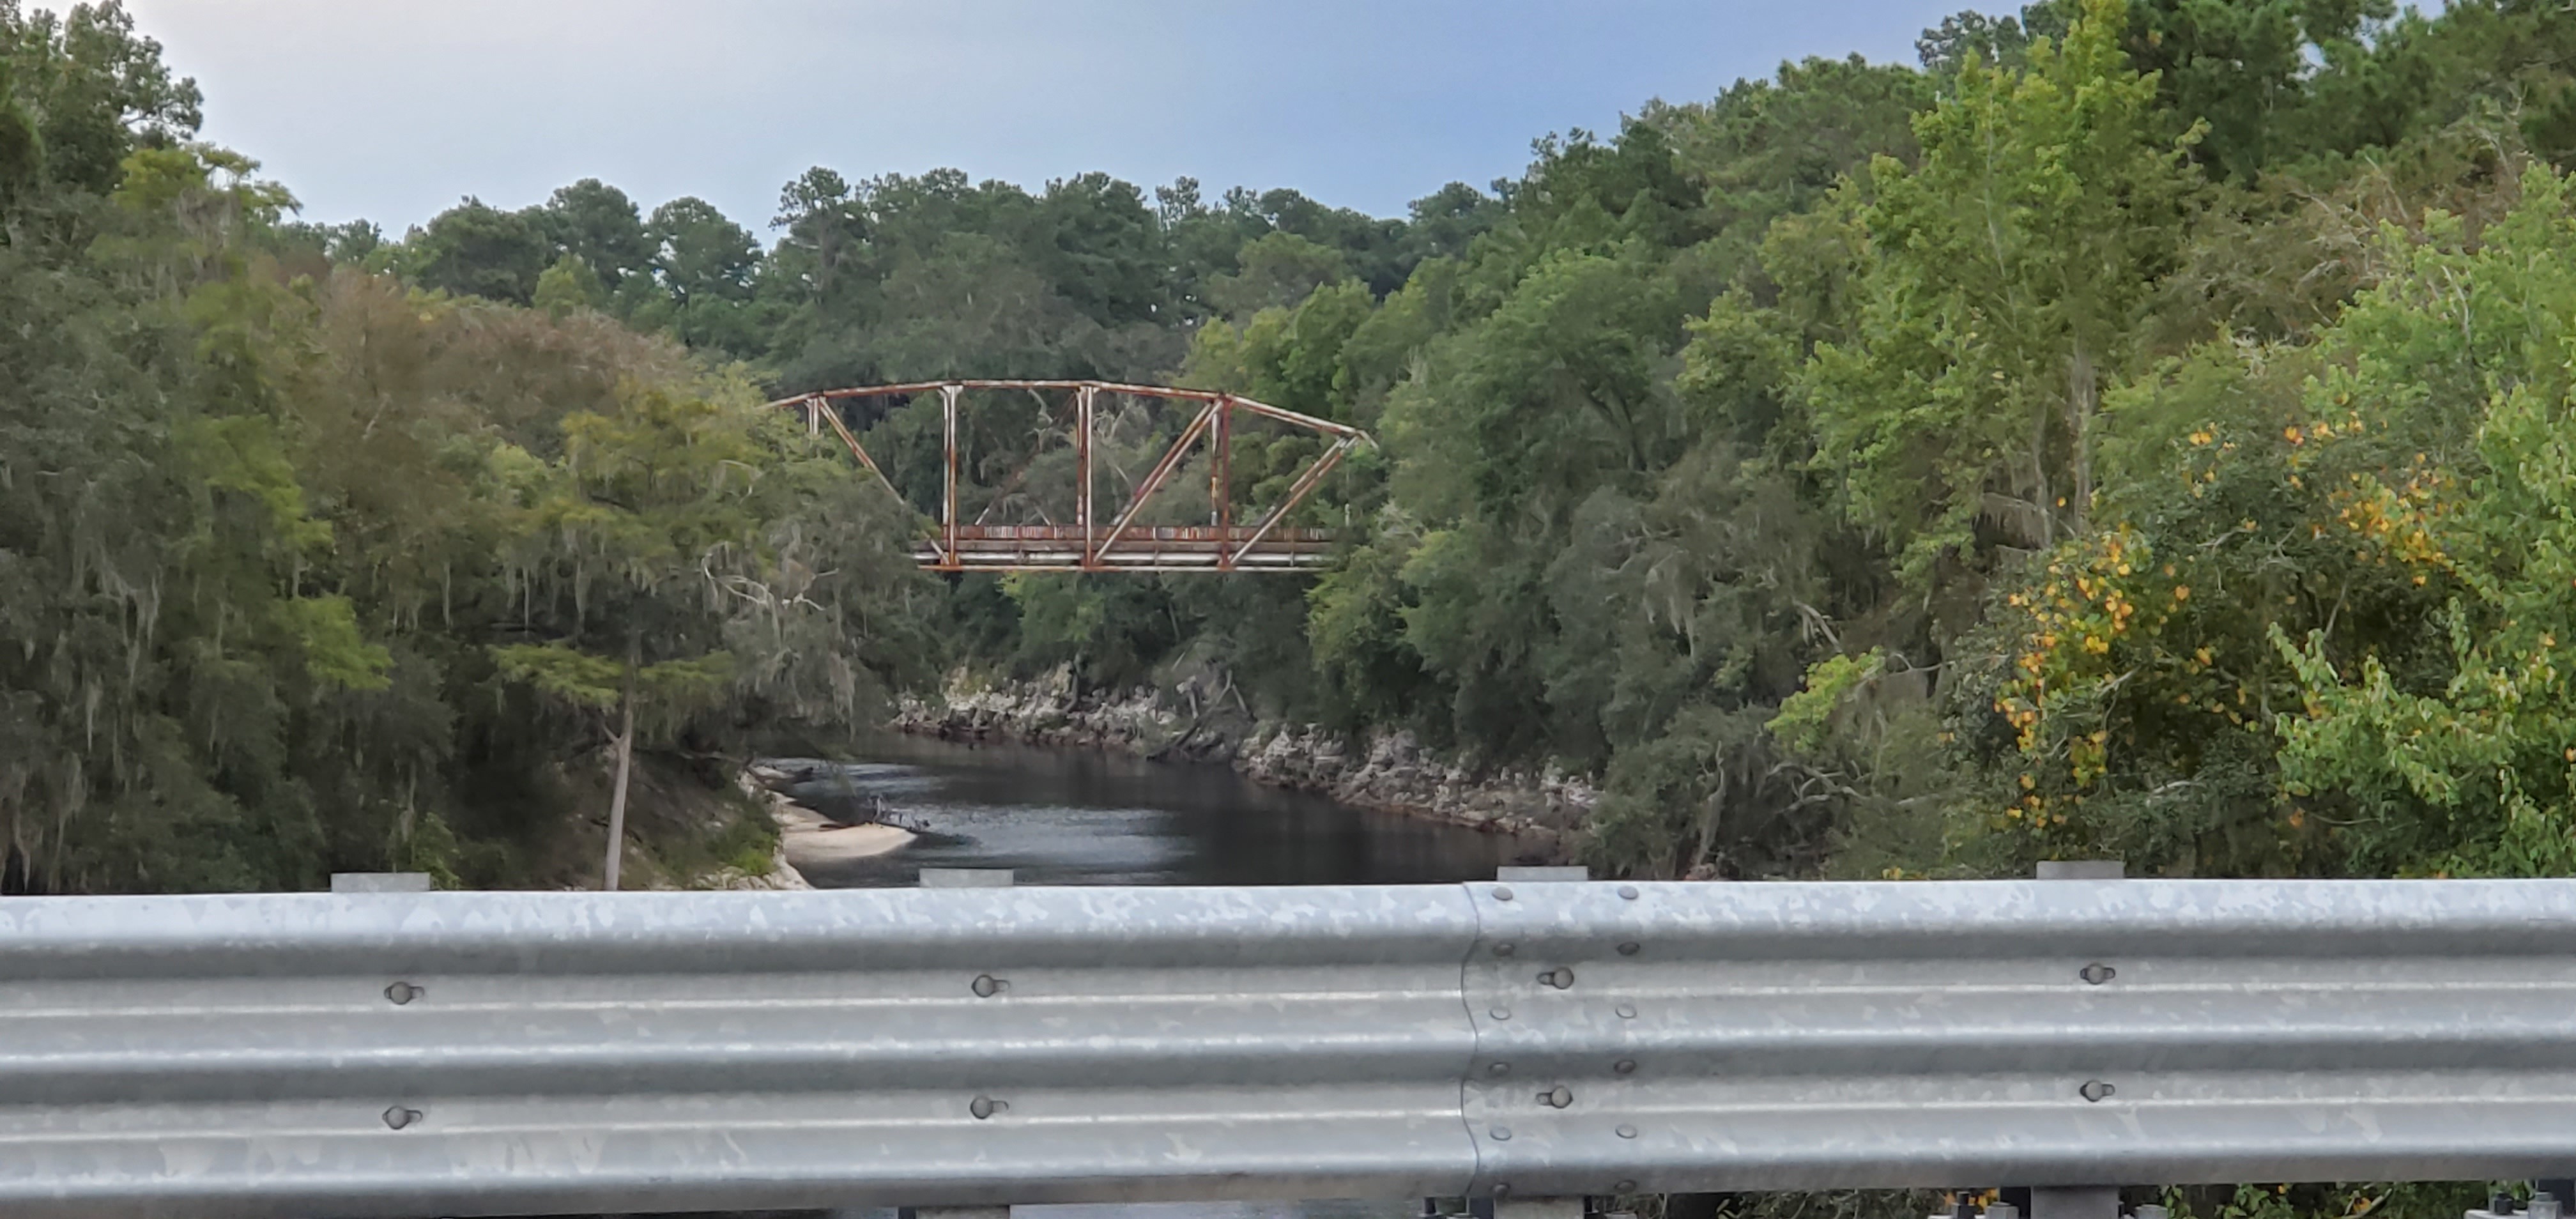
(1625, 1066)
(1631, 949)
(1628, 891)
(1557, 1097)
(2097, 973)
(1503, 950)
(1500, 1068)
(403, 992)
(1502, 1134)
(984, 1107)
(1502, 893)
(1560, 977)
(399, 1117)
(1626, 1132)
(1500, 1013)
(1627, 1011)
(1623, 1187)
(987, 986)
(2096, 1090)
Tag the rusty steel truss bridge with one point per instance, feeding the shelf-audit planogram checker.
(1125, 543)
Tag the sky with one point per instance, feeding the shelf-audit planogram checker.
(393, 110)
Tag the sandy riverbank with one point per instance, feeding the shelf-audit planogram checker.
(806, 837)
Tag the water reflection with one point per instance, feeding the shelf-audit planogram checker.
(1081, 817)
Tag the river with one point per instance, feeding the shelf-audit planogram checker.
(1083, 817)
(1088, 817)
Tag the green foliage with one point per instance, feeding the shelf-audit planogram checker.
(568, 285)
(474, 249)
(94, 91)
(559, 672)
(2009, 277)
(280, 552)
(2460, 742)
(1803, 717)
(2137, 432)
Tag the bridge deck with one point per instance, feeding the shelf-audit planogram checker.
(1138, 548)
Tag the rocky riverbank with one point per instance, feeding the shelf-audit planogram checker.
(1388, 771)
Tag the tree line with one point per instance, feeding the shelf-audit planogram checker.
(2134, 429)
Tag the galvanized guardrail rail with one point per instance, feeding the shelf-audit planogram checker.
(496, 1053)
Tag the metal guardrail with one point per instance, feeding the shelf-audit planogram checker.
(494, 1053)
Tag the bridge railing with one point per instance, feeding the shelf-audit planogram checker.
(495, 1053)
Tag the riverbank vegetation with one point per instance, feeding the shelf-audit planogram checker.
(2136, 429)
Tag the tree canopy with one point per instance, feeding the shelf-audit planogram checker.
(2134, 429)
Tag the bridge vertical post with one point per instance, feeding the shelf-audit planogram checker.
(1221, 480)
(948, 508)
(1082, 410)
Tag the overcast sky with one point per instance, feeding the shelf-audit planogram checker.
(394, 109)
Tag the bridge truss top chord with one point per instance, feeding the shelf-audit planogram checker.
(1125, 543)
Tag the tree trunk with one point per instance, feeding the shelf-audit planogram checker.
(2039, 475)
(625, 765)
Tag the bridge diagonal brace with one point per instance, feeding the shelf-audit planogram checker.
(1297, 493)
(819, 407)
(951, 543)
(1154, 481)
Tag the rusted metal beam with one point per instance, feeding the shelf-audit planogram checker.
(1284, 415)
(817, 407)
(1221, 471)
(948, 512)
(1083, 406)
(960, 546)
(1154, 482)
(1297, 493)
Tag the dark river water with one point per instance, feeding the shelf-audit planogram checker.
(1081, 817)
(1084, 817)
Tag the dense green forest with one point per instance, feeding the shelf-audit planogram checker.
(2137, 429)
